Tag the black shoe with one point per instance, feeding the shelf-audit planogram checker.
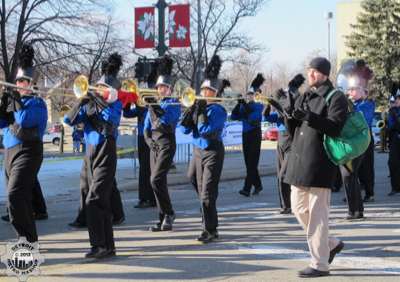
(155, 228)
(311, 273)
(141, 205)
(40, 216)
(355, 215)
(152, 204)
(244, 193)
(369, 199)
(6, 218)
(257, 190)
(77, 224)
(91, 253)
(207, 237)
(285, 211)
(119, 221)
(335, 251)
(392, 193)
(100, 253)
(168, 222)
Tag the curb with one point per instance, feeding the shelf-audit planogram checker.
(181, 178)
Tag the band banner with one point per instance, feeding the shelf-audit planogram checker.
(179, 25)
(144, 27)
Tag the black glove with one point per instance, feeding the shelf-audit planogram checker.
(14, 102)
(279, 95)
(288, 104)
(150, 100)
(296, 82)
(156, 110)
(301, 114)
(241, 100)
(100, 102)
(187, 117)
(267, 111)
(201, 105)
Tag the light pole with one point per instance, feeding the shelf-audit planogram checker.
(329, 17)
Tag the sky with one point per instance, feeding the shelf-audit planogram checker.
(290, 30)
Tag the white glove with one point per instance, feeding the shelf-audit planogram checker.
(112, 95)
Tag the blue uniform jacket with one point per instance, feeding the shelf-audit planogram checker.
(253, 118)
(205, 133)
(274, 117)
(367, 107)
(111, 114)
(140, 113)
(392, 119)
(172, 112)
(32, 114)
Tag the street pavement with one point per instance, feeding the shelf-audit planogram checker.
(256, 242)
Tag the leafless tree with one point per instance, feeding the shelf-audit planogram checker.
(57, 29)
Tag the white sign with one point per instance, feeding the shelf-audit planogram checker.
(231, 134)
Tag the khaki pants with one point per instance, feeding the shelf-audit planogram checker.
(311, 206)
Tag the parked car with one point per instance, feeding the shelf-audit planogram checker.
(52, 137)
(271, 133)
(55, 128)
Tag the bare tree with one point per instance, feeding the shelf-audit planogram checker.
(57, 28)
(219, 33)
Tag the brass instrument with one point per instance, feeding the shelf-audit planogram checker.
(259, 98)
(187, 95)
(381, 124)
(12, 85)
(81, 86)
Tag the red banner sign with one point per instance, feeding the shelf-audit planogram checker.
(179, 25)
(144, 27)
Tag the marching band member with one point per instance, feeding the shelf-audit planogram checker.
(205, 120)
(394, 145)
(250, 113)
(101, 117)
(23, 118)
(159, 133)
(284, 141)
(146, 195)
(356, 84)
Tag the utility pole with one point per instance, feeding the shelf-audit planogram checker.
(199, 45)
(161, 47)
(329, 17)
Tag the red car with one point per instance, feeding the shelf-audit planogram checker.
(271, 133)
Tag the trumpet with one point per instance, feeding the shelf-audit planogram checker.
(187, 95)
(381, 124)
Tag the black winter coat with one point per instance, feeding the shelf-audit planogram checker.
(308, 164)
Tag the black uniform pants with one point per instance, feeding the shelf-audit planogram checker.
(145, 190)
(352, 186)
(116, 201)
(366, 173)
(251, 150)
(22, 163)
(282, 157)
(208, 166)
(160, 163)
(394, 162)
(38, 202)
(99, 168)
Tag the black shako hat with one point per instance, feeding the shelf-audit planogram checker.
(109, 71)
(26, 70)
(164, 70)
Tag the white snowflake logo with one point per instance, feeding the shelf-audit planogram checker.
(146, 26)
(181, 32)
(171, 22)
